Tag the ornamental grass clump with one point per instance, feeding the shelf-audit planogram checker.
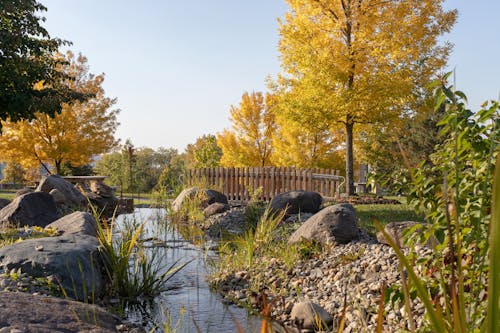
(133, 271)
(459, 285)
(260, 243)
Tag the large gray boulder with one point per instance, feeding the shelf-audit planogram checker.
(73, 259)
(230, 223)
(74, 198)
(205, 196)
(76, 223)
(30, 209)
(295, 202)
(106, 206)
(102, 189)
(333, 224)
(310, 316)
(23, 312)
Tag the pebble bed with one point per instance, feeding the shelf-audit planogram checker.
(355, 272)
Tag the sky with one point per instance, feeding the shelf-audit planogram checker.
(176, 67)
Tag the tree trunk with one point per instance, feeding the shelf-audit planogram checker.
(349, 166)
(58, 167)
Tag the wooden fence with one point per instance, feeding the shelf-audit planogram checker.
(240, 183)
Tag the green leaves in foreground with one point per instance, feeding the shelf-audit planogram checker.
(455, 192)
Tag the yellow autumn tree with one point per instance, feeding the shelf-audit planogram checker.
(361, 61)
(304, 144)
(80, 131)
(249, 141)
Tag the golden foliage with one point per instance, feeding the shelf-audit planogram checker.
(79, 132)
(249, 141)
(359, 61)
(297, 144)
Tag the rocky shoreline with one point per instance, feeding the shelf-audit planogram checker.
(355, 273)
(349, 274)
(51, 272)
(46, 308)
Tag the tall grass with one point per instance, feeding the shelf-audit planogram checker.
(261, 239)
(132, 270)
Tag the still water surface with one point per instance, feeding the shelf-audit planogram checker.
(189, 303)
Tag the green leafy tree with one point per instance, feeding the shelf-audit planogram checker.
(129, 161)
(80, 170)
(149, 166)
(145, 173)
(393, 153)
(112, 166)
(172, 176)
(13, 173)
(30, 76)
(204, 153)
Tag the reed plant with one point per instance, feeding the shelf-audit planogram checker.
(241, 251)
(132, 270)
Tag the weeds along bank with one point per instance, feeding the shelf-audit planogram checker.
(451, 286)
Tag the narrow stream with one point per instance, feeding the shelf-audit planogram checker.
(189, 303)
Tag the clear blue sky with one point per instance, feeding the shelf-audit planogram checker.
(177, 66)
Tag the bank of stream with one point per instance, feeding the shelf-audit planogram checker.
(188, 303)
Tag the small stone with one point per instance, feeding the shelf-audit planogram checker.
(309, 314)
(4, 283)
(39, 248)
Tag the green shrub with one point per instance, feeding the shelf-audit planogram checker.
(455, 194)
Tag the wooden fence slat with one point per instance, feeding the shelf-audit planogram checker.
(245, 184)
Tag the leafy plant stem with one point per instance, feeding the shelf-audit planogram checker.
(492, 318)
(434, 315)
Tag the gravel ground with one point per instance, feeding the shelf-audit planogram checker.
(355, 272)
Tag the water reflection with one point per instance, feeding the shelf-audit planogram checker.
(188, 304)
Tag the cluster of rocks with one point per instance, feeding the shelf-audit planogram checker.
(55, 197)
(68, 263)
(351, 273)
(23, 312)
